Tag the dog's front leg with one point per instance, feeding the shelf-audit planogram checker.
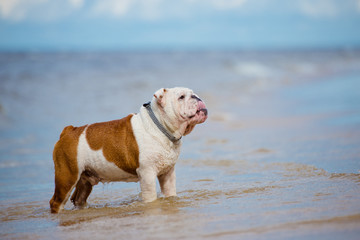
(168, 183)
(147, 184)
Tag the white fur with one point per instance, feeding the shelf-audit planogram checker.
(158, 154)
(157, 157)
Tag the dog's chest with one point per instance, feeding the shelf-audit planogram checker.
(156, 152)
(163, 162)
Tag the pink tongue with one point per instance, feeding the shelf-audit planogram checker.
(201, 105)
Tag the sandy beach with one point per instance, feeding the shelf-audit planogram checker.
(278, 158)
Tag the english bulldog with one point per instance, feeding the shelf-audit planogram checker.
(140, 147)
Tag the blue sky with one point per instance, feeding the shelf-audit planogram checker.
(178, 24)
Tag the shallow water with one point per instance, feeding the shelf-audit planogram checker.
(278, 158)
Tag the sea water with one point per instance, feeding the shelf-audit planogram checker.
(278, 158)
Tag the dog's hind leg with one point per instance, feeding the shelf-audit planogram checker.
(65, 181)
(67, 169)
(66, 176)
(83, 188)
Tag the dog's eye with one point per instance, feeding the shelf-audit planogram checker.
(181, 97)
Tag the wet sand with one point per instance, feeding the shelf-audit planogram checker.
(277, 159)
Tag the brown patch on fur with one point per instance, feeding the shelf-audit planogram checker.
(117, 141)
(66, 168)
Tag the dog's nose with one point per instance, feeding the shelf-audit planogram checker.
(205, 111)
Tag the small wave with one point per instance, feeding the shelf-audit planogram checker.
(253, 69)
(11, 164)
(204, 180)
(238, 166)
(351, 176)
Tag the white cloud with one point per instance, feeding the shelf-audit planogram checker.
(328, 8)
(7, 7)
(76, 3)
(227, 4)
(45, 10)
(146, 9)
(151, 9)
(319, 8)
(117, 8)
(17, 9)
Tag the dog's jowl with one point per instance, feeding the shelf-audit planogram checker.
(140, 147)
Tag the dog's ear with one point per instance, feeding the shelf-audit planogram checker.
(159, 96)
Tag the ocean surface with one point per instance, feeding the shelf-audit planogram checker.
(278, 158)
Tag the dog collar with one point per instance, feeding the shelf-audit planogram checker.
(158, 124)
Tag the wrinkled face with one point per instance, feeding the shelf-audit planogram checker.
(183, 106)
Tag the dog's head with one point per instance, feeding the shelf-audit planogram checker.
(181, 108)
